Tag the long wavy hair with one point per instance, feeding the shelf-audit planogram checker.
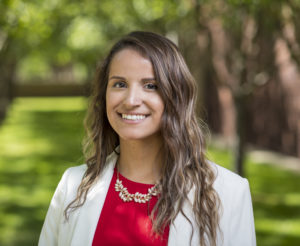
(185, 165)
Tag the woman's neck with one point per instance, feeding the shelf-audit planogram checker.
(141, 161)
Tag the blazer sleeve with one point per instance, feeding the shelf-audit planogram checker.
(50, 229)
(242, 230)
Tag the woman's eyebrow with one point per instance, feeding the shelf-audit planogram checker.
(122, 78)
(148, 79)
(116, 77)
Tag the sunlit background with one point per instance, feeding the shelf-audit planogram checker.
(244, 54)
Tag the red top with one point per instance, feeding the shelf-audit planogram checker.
(127, 223)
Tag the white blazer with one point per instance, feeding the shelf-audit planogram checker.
(237, 223)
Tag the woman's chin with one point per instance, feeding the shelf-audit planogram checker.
(138, 137)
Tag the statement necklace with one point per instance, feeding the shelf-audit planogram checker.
(136, 197)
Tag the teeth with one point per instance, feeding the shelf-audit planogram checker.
(133, 117)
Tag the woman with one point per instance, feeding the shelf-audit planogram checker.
(147, 181)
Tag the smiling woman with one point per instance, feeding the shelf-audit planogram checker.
(146, 180)
(133, 103)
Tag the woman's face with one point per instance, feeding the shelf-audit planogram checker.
(133, 103)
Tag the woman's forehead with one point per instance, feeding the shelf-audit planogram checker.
(128, 61)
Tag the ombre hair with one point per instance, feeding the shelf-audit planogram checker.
(185, 166)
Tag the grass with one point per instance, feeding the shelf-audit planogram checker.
(41, 137)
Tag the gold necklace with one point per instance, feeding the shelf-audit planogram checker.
(136, 197)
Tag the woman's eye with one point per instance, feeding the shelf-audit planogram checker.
(119, 84)
(151, 86)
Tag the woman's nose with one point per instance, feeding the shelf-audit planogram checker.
(133, 97)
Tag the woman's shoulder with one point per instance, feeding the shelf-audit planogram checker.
(73, 175)
(76, 171)
(227, 181)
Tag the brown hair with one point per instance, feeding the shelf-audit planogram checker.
(185, 165)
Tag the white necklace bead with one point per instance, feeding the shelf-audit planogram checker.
(137, 197)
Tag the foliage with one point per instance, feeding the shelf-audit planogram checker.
(60, 33)
(41, 137)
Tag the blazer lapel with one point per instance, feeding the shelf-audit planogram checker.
(181, 231)
(90, 212)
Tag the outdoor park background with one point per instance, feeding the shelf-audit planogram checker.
(244, 54)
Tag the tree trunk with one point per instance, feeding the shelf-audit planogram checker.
(239, 151)
(7, 72)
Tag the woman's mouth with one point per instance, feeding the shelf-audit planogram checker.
(133, 116)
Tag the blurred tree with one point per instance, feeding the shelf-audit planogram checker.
(243, 35)
(7, 64)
